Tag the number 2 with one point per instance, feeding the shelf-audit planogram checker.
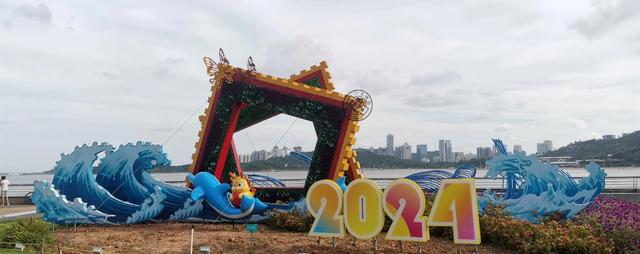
(404, 203)
(324, 201)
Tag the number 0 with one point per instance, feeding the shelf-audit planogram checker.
(363, 212)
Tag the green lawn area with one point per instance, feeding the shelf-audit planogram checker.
(6, 251)
(3, 226)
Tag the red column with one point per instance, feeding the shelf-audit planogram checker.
(228, 139)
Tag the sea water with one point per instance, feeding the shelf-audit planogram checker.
(617, 178)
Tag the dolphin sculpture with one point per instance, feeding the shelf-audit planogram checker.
(208, 187)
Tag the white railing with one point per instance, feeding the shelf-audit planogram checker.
(614, 184)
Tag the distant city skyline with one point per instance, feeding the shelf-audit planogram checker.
(445, 151)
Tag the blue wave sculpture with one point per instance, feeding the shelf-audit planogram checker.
(265, 181)
(56, 208)
(124, 192)
(430, 180)
(535, 188)
(74, 178)
(301, 158)
(189, 209)
(125, 173)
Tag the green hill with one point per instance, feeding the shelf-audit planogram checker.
(274, 163)
(370, 159)
(623, 151)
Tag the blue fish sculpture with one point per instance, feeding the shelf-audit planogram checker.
(208, 187)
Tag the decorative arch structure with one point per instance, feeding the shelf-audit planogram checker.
(241, 98)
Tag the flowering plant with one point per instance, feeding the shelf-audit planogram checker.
(619, 220)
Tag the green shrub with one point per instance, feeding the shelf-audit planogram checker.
(27, 231)
(294, 220)
(550, 236)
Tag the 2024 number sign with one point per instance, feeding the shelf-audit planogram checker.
(362, 207)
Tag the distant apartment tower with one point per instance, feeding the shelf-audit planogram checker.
(390, 146)
(446, 153)
(297, 149)
(517, 149)
(458, 156)
(442, 150)
(403, 152)
(260, 155)
(244, 158)
(484, 153)
(546, 146)
(608, 137)
(277, 152)
(421, 151)
(449, 151)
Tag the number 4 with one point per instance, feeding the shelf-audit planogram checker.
(456, 206)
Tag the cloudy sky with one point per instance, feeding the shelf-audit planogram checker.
(74, 72)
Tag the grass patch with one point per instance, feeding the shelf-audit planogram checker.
(7, 251)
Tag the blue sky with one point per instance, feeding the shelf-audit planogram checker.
(74, 72)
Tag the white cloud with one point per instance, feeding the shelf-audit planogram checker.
(578, 123)
(14, 16)
(503, 127)
(606, 16)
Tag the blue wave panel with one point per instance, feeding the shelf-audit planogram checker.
(535, 188)
(56, 208)
(302, 158)
(116, 171)
(125, 173)
(265, 181)
(430, 180)
(176, 197)
(74, 178)
(189, 209)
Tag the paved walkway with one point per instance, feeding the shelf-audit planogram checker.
(5, 210)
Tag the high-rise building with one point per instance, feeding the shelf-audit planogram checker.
(488, 152)
(517, 149)
(458, 156)
(446, 151)
(433, 155)
(444, 146)
(546, 146)
(449, 151)
(484, 153)
(390, 146)
(246, 158)
(277, 152)
(260, 155)
(549, 144)
(421, 151)
(403, 152)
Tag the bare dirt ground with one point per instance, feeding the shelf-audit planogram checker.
(225, 238)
